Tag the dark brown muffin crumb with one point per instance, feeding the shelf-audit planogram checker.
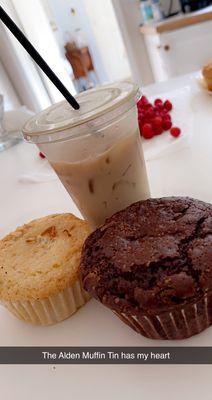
(152, 256)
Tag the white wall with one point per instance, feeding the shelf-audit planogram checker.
(97, 20)
(128, 16)
(60, 11)
(108, 37)
(37, 28)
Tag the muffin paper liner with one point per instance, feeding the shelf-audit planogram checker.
(180, 323)
(51, 310)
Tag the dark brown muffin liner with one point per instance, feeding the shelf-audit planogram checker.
(180, 323)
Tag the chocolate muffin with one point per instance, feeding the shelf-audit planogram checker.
(152, 265)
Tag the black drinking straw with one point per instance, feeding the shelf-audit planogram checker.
(37, 58)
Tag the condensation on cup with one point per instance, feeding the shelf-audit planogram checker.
(96, 151)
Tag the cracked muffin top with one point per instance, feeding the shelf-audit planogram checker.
(151, 256)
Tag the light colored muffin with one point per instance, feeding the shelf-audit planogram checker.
(39, 269)
(207, 75)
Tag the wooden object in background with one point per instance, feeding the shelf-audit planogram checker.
(80, 60)
(178, 22)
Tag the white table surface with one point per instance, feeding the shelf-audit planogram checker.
(187, 171)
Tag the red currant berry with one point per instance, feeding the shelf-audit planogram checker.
(159, 109)
(140, 108)
(167, 117)
(158, 130)
(158, 102)
(166, 125)
(142, 101)
(148, 107)
(175, 131)
(164, 112)
(168, 105)
(42, 155)
(157, 112)
(141, 115)
(147, 131)
(150, 114)
(157, 121)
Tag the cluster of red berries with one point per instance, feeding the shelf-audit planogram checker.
(154, 119)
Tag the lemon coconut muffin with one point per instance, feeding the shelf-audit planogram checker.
(39, 269)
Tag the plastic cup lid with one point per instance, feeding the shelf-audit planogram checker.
(93, 104)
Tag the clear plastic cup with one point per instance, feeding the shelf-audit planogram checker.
(96, 151)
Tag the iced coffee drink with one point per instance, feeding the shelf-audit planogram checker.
(114, 179)
(99, 160)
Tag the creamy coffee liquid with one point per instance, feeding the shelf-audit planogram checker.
(107, 183)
